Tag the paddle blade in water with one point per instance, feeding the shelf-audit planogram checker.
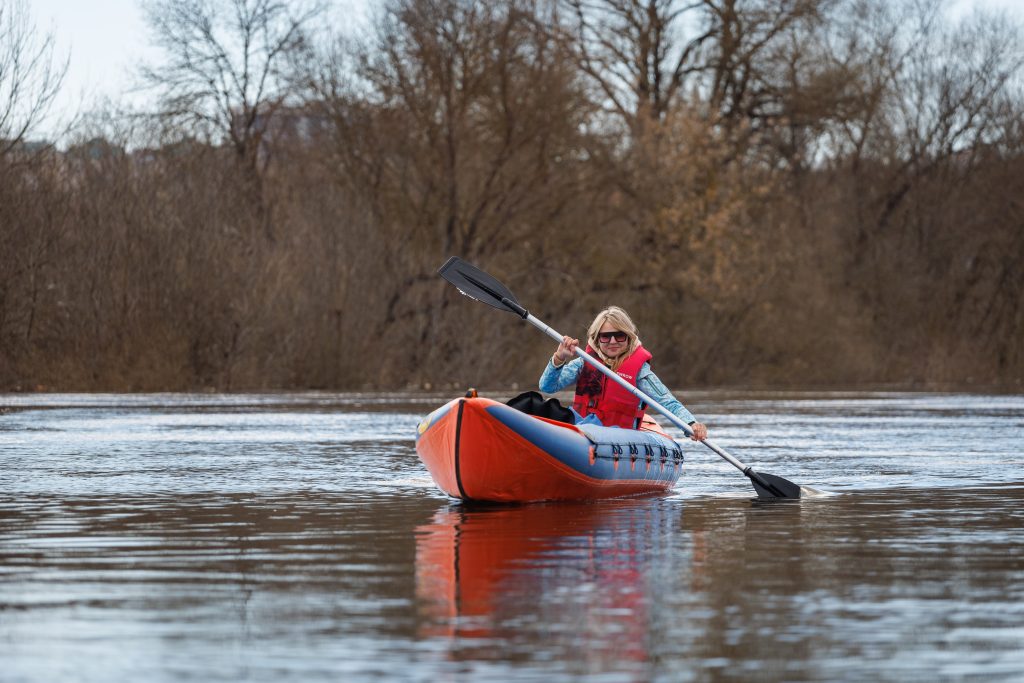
(478, 285)
(770, 486)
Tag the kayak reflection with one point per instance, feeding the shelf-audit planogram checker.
(544, 577)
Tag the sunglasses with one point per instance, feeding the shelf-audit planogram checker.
(605, 337)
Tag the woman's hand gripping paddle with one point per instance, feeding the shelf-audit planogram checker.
(478, 285)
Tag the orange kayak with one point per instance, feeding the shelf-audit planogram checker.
(479, 449)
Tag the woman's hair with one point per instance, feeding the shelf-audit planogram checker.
(620, 320)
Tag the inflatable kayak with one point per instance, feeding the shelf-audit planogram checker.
(481, 450)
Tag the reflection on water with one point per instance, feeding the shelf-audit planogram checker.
(909, 586)
(210, 587)
(577, 576)
(298, 538)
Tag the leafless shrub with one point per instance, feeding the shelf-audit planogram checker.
(30, 75)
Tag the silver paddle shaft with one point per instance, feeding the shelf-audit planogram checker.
(669, 415)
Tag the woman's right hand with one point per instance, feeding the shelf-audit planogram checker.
(566, 351)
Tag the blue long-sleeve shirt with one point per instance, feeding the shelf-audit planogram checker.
(555, 379)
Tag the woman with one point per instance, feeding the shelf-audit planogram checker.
(612, 338)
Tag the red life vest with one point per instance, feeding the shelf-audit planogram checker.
(613, 405)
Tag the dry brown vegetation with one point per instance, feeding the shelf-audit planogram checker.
(788, 193)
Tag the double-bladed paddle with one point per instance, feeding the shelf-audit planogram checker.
(478, 285)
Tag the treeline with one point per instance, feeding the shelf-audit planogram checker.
(781, 192)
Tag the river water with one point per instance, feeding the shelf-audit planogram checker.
(297, 537)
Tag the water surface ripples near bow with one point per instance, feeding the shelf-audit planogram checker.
(297, 537)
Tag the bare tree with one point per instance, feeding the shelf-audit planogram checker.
(30, 74)
(31, 210)
(639, 55)
(226, 70)
(462, 136)
(935, 92)
(643, 55)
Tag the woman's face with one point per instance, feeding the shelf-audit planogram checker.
(612, 340)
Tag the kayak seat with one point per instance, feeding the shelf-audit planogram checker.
(532, 403)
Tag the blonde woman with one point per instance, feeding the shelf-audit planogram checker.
(612, 339)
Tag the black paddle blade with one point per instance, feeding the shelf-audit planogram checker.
(770, 486)
(478, 285)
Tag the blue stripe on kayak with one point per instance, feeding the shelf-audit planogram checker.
(432, 418)
(573, 449)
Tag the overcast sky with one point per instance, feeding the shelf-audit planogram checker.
(106, 39)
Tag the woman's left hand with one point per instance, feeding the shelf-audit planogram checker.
(700, 431)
